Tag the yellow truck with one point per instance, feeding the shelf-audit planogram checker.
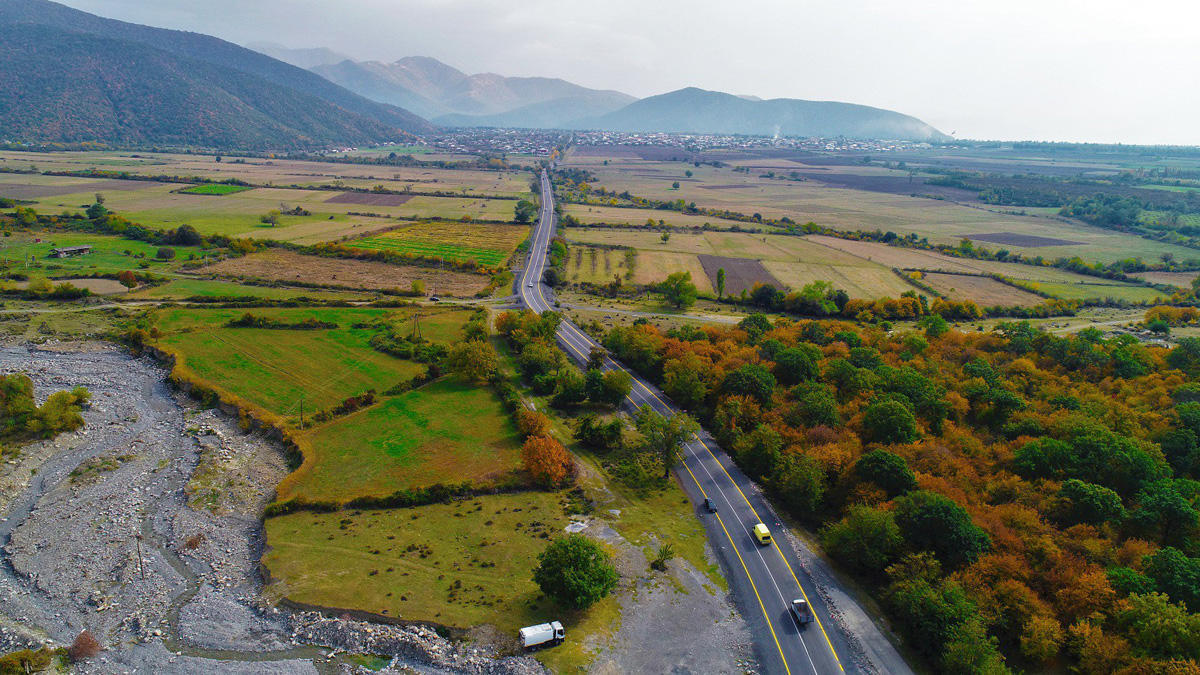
(762, 535)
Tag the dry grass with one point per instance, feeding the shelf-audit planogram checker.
(654, 267)
(286, 266)
(984, 291)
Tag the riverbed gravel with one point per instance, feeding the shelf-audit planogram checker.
(144, 529)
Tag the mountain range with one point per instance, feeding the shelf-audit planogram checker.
(450, 97)
(70, 76)
(67, 76)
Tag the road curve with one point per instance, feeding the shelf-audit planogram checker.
(763, 579)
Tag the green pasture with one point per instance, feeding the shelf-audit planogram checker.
(483, 256)
(216, 189)
(109, 253)
(448, 431)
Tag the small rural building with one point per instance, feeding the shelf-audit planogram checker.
(69, 251)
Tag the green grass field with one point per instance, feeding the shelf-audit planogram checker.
(460, 564)
(109, 254)
(179, 289)
(273, 369)
(448, 431)
(483, 256)
(215, 189)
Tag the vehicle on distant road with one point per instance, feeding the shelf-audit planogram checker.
(802, 611)
(542, 634)
(710, 506)
(434, 298)
(762, 535)
(530, 284)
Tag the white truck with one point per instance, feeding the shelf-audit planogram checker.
(542, 634)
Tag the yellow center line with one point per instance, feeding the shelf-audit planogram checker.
(748, 577)
(774, 543)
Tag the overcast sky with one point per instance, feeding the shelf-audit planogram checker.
(1086, 70)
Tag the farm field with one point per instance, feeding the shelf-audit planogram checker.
(216, 189)
(288, 266)
(461, 564)
(1177, 279)
(178, 289)
(487, 245)
(983, 291)
(587, 213)
(828, 197)
(444, 432)
(109, 253)
(867, 281)
(1085, 291)
(595, 264)
(273, 369)
(790, 261)
(259, 171)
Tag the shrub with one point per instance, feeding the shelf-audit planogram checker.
(165, 253)
(932, 522)
(866, 540)
(84, 647)
(575, 572)
(532, 423)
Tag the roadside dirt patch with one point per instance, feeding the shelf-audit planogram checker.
(369, 199)
(740, 273)
(1022, 240)
(276, 265)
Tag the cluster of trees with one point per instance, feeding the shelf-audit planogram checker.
(249, 320)
(21, 418)
(1015, 498)
(547, 369)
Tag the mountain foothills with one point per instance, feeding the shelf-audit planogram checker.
(70, 76)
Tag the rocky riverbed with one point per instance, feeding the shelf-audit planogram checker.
(143, 528)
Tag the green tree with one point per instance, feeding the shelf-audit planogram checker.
(759, 452)
(799, 483)
(720, 282)
(679, 290)
(1175, 574)
(1082, 502)
(570, 388)
(887, 470)
(664, 435)
(1165, 511)
(935, 326)
(524, 211)
(615, 386)
(889, 421)
(932, 522)
(755, 325)
(575, 571)
(683, 380)
(751, 380)
(815, 406)
(866, 540)
(271, 218)
(473, 360)
(797, 364)
(1159, 628)
(929, 608)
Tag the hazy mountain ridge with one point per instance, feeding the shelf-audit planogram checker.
(449, 96)
(324, 112)
(693, 110)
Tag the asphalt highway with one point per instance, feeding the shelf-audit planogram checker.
(763, 579)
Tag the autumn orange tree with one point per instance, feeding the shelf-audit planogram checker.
(1011, 495)
(547, 461)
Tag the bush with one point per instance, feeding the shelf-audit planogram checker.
(26, 661)
(575, 572)
(84, 647)
(165, 253)
(532, 423)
